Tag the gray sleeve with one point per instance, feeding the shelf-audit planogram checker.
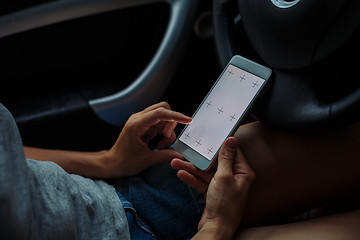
(15, 207)
(39, 200)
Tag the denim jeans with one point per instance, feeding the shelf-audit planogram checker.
(159, 206)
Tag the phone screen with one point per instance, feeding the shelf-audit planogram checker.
(219, 113)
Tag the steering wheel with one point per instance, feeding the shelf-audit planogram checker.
(312, 47)
(152, 82)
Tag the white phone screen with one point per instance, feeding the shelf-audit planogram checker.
(220, 111)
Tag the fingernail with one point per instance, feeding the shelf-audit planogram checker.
(231, 143)
(190, 119)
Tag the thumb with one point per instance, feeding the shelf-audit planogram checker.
(227, 155)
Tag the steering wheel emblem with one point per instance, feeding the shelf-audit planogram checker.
(284, 4)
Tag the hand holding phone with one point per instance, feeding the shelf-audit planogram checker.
(222, 110)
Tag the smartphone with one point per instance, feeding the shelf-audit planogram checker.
(222, 110)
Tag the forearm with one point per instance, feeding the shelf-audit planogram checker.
(87, 164)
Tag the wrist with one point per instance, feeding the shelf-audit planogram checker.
(216, 229)
(106, 164)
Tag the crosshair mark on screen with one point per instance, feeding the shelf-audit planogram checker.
(221, 110)
(232, 117)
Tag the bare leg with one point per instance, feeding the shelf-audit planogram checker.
(296, 172)
(333, 227)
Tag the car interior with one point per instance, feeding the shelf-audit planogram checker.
(74, 71)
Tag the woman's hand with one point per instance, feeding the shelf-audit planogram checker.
(226, 192)
(130, 154)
